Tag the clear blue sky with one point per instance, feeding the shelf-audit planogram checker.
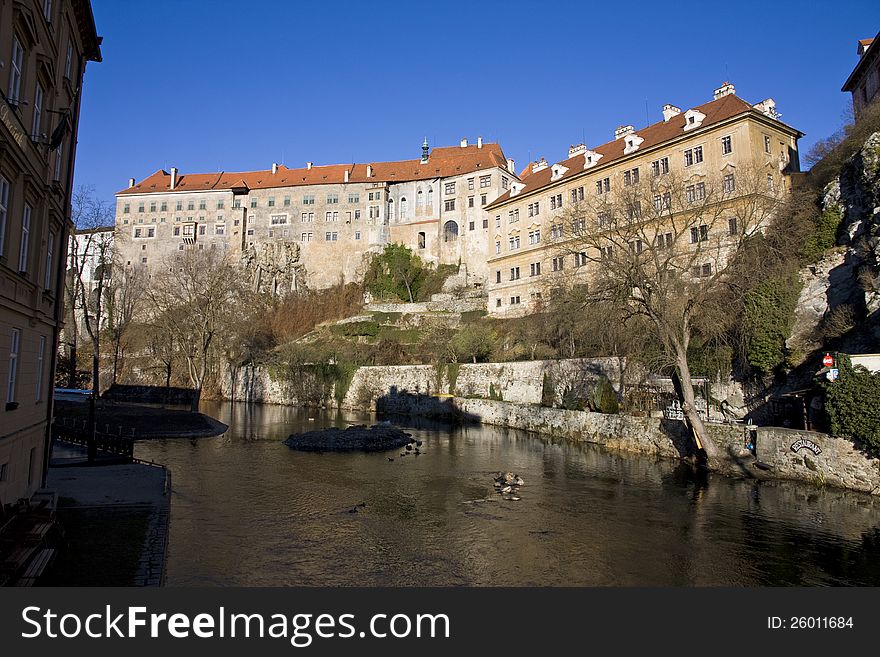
(230, 85)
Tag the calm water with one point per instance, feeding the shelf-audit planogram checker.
(246, 510)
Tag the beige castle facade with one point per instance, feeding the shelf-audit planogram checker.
(314, 226)
(534, 249)
(44, 47)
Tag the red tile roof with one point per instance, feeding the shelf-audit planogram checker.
(865, 54)
(716, 111)
(442, 162)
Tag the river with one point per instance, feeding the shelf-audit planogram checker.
(249, 511)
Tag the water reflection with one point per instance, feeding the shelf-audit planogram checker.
(246, 510)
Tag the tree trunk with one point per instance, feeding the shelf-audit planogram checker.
(700, 435)
(71, 374)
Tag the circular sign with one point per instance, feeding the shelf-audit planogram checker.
(828, 361)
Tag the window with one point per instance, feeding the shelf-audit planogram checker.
(732, 226)
(449, 188)
(59, 155)
(497, 247)
(13, 365)
(603, 219)
(770, 184)
(404, 206)
(603, 186)
(514, 301)
(15, 74)
(636, 246)
(354, 198)
(253, 202)
(726, 145)
(606, 252)
(306, 237)
(68, 61)
(201, 204)
(470, 201)
(309, 199)
(556, 231)
(631, 177)
(660, 167)
(470, 183)
(555, 201)
(47, 10)
(38, 112)
(534, 209)
(430, 197)
(50, 261)
(485, 181)
(514, 273)
(513, 243)
(535, 269)
(662, 201)
(331, 237)
(176, 231)
(634, 210)
(766, 143)
(505, 182)
(201, 231)
(140, 207)
(703, 271)
(307, 216)
(357, 215)
(471, 225)
(126, 209)
(450, 231)
(236, 203)
(535, 236)
(558, 263)
(25, 239)
(580, 259)
(357, 234)
(729, 184)
(151, 232)
(220, 204)
(498, 276)
(219, 229)
(577, 194)
(41, 356)
(374, 212)
(278, 219)
(699, 234)
(331, 199)
(152, 206)
(179, 206)
(4, 211)
(485, 222)
(693, 156)
(663, 241)
(449, 205)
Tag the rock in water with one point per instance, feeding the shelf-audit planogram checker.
(378, 438)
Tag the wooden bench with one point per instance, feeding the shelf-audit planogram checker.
(36, 567)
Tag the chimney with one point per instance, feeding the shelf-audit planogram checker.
(539, 166)
(309, 166)
(725, 89)
(479, 142)
(511, 165)
(623, 131)
(464, 142)
(130, 183)
(173, 177)
(670, 110)
(369, 171)
(346, 175)
(274, 168)
(576, 149)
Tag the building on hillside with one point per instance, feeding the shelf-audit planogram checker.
(711, 144)
(864, 81)
(314, 225)
(44, 47)
(89, 263)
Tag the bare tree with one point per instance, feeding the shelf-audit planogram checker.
(124, 296)
(191, 302)
(663, 249)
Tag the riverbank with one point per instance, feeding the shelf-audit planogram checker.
(776, 453)
(138, 421)
(114, 518)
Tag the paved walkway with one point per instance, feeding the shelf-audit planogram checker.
(134, 488)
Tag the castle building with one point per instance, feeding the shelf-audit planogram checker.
(44, 47)
(313, 226)
(864, 81)
(711, 144)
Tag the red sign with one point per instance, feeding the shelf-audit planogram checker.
(828, 361)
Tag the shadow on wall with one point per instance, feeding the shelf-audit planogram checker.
(403, 402)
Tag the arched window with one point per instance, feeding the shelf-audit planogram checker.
(421, 240)
(430, 197)
(390, 209)
(403, 207)
(450, 231)
(420, 199)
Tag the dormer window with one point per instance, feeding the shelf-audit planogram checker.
(557, 172)
(632, 144)
(693, 119)
(516, 188)
(591, 158)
